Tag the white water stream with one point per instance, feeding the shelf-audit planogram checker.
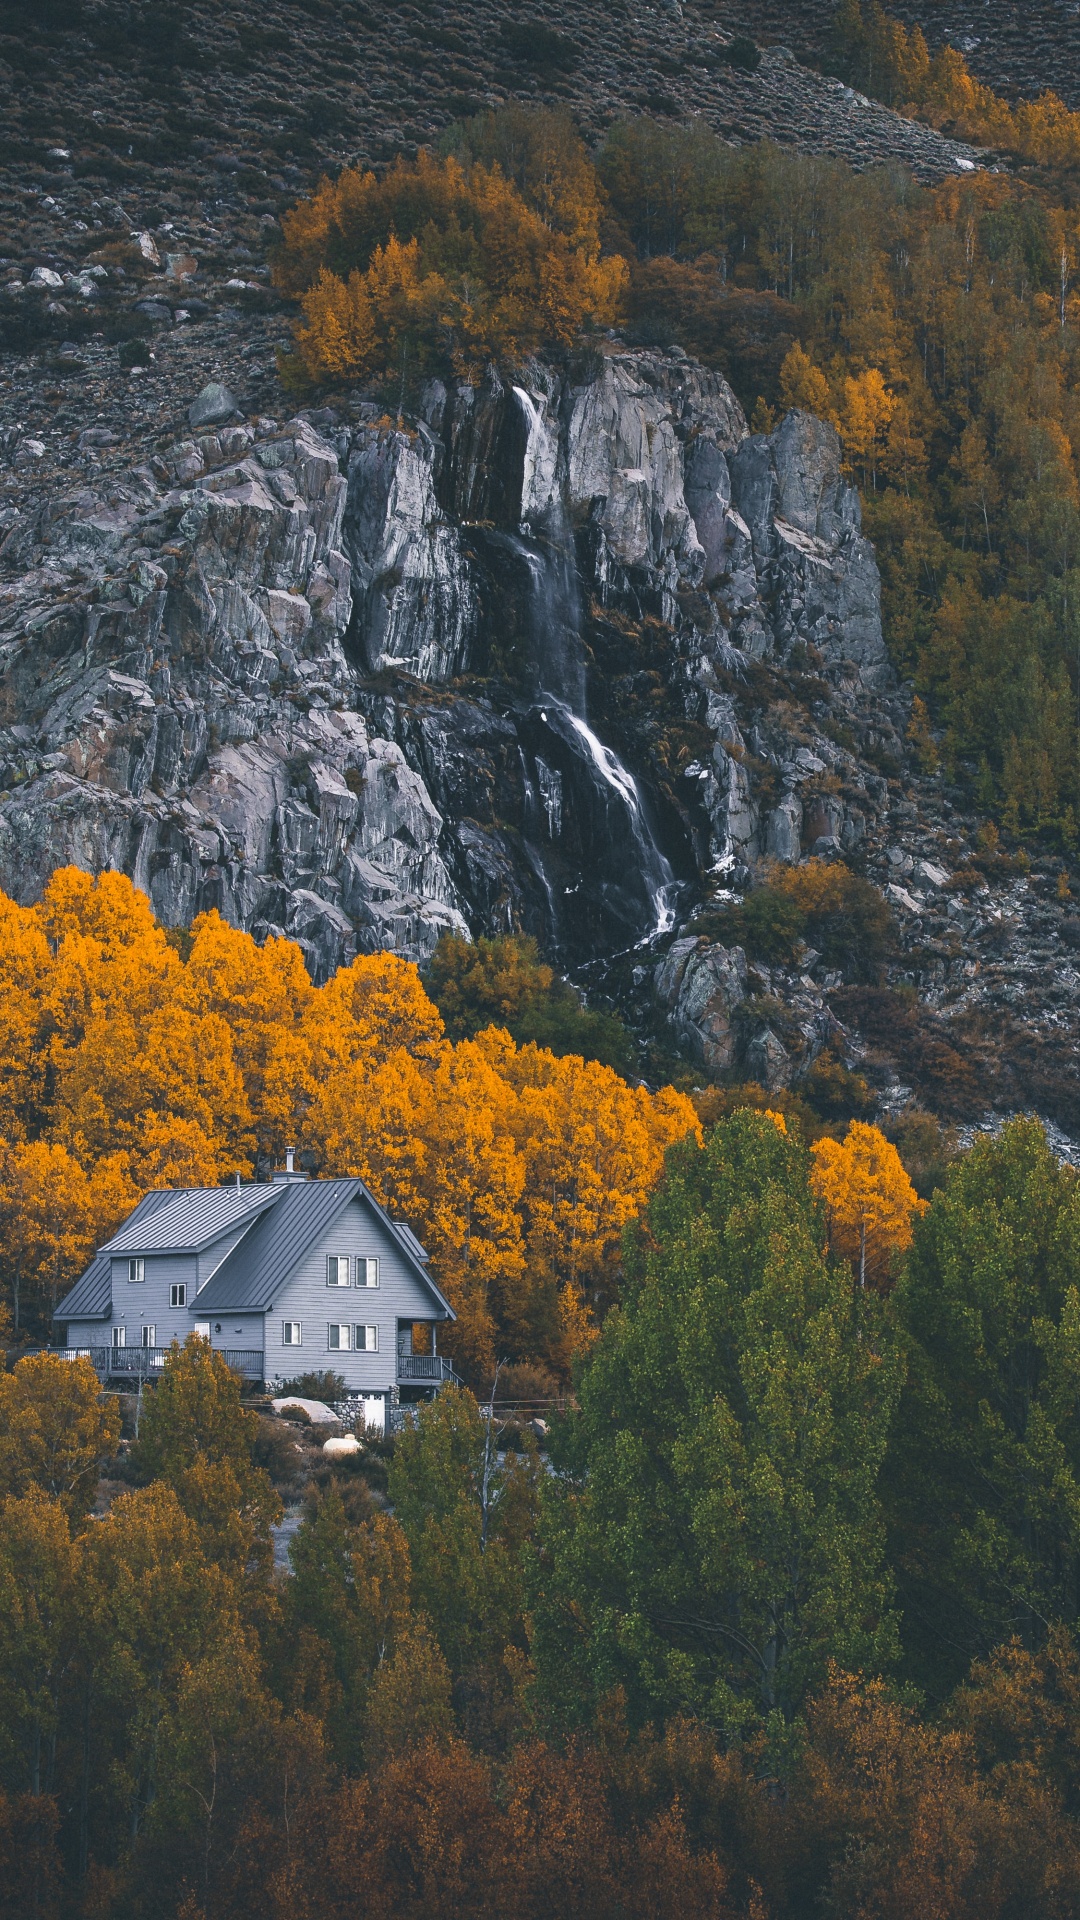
(559, 657)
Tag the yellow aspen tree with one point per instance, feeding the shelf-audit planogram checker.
(869, 1200)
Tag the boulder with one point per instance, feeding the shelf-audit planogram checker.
(215, 403)
(317, 1411)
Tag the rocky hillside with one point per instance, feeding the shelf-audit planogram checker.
(1019, 51)
(574, 655)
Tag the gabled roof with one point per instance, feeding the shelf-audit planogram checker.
(250, 1278)
(91, 1296)
(189, 1221)
(410, 1240)
(282, 1221)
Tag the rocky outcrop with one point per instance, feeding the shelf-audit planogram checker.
(235, 671)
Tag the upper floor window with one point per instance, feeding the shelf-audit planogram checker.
(292, 1333)
(367, 1273)
(178, 1294)
(340, 1339)
(367, 1339)
(149, 1336)
(137, 1268)
(337, 1269)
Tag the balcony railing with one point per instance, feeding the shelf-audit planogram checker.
(145, 1363)
(413, 1368)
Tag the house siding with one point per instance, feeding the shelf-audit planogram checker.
(358, 1233)
(146, 1302)
(88, 1333)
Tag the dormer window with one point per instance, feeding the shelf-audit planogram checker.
(337, 1269)
(137, 1270)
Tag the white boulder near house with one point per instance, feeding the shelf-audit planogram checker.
(283, 1278)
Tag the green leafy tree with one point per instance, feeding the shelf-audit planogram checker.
(198, 1437)
(56, 1428)
(39, 1621)
(158, 1605)
(504, 983)
(410, 1701)
(467, 1515)
(715, 1538)
(983, 1476)
(346, 1608)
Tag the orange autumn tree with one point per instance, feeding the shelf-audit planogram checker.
(442, 264)
(869, 1200)
(132, 1058)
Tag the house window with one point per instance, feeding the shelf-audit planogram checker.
(340, 1338)
(367, 1339)
(119, 1336)
(202, 1328)
(137, 1270)
(337, 1269)
(291, 1333)
(178, 1294)
(149, 1336)
(367, 1273)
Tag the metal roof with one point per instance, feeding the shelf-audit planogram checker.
(410, 1239)
(282, 1223)
(253, 1274)
(91, 1296)
(191, 1220)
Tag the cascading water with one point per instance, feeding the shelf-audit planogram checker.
(584, 801)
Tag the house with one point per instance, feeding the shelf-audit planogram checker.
(286, 1277)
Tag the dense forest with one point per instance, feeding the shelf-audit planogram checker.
(782, 1623)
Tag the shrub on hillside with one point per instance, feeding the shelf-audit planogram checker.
(504, 983)
(820, 903)
(442, 266)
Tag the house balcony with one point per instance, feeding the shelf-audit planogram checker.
(146, 1363)
(426, 1370)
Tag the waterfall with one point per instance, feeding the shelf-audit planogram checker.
(616, 880)
(652, 865)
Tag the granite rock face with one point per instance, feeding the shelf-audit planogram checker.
(341, 679)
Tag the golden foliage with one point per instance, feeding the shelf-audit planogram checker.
(441, 264)
(868, 1197)
(519, 1170)
(879, 54)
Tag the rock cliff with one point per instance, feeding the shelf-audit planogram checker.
(573, 655)
(338, 678)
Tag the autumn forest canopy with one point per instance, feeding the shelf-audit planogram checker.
(938, 328)
(786, 1611)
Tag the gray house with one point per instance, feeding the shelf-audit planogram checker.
(296, 1276)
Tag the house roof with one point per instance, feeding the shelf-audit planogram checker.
(91, 1296)
(410, 1239)
(282, 1221)
(188, 1221)
(253, 1274)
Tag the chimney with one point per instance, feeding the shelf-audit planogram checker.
(284, 1176)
